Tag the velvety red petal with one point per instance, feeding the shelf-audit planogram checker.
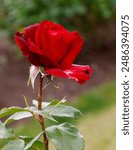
(45, 41)
(41, 58)
(46, 47)
(34, 59)
(73, 51)
(59, 41)
(38, 37)
(22, 43)
(79, 73)
(33, 48)
(44, 24)
(30, 32)
(47, 62)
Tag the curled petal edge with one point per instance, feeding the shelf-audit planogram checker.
(79, 73)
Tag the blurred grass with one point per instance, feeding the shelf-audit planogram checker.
(98, 123)
(99, 130)
(97, 99)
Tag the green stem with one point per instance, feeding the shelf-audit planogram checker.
(45, 140)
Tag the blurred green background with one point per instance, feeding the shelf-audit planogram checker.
(95, 21)
(75, 14)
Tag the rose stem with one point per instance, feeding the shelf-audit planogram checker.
(45, 140)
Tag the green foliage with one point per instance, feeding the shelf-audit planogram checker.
(18, 142)
(14, 145)
(5, 132)
(63, 111)
(52, 103)
(26, 139)
(46, 115)
(101, 8)
(35, 144)
(56, 109)
(65, 136)
(29, 145)
(16, 14)
(18, 116)
(91, 126)
(9, 111)
(69, 133)
(103, 97)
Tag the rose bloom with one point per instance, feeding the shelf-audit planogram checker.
(55, 48)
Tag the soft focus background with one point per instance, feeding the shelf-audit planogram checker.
(95, 21)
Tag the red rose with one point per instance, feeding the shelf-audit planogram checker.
(52, 46)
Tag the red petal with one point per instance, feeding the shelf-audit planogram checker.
(33, 48)
(40, 56)
(46, 47)
(38, 36)
(47, 62)
(59, 41)
(76, 72)
(22, 43)
(30, 32)
(34, 59)
(40, 60)
(45, 41)
(73, 51)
